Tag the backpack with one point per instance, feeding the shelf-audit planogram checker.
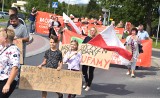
(22, 21)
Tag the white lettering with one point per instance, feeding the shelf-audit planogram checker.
(45, 20)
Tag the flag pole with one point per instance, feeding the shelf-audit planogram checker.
(2, 5)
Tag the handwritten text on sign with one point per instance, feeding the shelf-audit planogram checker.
(48, 79)
(91, 55)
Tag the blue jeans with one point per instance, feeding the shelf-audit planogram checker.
(32, 26)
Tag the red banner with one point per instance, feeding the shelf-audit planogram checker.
(144, 59)
(42, 21)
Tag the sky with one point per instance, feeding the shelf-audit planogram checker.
(75, 1)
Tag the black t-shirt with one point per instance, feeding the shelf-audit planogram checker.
(53, 58)
(87, 39)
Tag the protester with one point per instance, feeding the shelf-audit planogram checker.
(95, 22)
(32, 18)
(63, 28)
(9, 63)
(20, 14)
(50, 25)
(14, 10)
(85, 21)
(72, 17)
(54, 23)
(142, 34)
(132, 42)
(20, 31)
(73, 59)
(127, 30)
(88, 77)
(52, 59)
(113, 23)
(100, 19)
(120, 24)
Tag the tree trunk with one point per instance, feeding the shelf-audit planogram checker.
(149, 18)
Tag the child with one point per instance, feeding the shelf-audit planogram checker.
(52, 59)
(73, 59)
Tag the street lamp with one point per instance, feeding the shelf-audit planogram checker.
(158, 26)
(105, 16)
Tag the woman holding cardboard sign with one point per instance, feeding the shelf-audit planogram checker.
(88, 76)
(9, 63)
(73, 59)
(132, 42)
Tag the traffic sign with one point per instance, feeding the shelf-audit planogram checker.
(54, 4)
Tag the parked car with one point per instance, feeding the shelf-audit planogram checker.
(4, 15)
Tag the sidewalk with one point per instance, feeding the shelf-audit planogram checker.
(37, 45)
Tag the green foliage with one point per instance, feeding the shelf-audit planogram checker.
(93, 10)
(135, 11)
(154, 43)
(39, 4)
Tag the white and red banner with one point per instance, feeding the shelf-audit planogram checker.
(108, 40)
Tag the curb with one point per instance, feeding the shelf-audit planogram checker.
(40, 50)
(155, 49)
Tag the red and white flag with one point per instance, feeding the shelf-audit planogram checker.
(72, 24)
(108, 40)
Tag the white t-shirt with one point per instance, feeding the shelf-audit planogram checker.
(143, 35)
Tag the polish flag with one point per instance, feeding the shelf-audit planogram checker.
(72, 24)
(108, 40)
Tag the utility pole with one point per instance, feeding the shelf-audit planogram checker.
(68, 7)
(158, 25)
(2, 5)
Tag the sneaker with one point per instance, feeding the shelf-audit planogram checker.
(87, 88)
(73, 96)
(61, 96)
(84, 86)
(69, 96)
(32, 33)
(132, 75)
(128, 73)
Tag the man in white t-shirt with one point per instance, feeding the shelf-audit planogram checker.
(142, 34)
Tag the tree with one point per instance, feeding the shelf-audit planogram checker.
(93, 10)
(135, 11)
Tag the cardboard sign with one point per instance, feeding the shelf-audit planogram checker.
(91, 55)
(19, 44)
(48, 79)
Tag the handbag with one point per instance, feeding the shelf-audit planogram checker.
(140, 48)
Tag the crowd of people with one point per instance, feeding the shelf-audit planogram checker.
(16, 29)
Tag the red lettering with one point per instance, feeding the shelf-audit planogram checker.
(106, 62)
(93, 61)
(89, 58)
(83, 59)
(99, 62)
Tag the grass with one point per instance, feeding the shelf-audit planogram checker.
(4, 20)
(156, 46)
(154, 43)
